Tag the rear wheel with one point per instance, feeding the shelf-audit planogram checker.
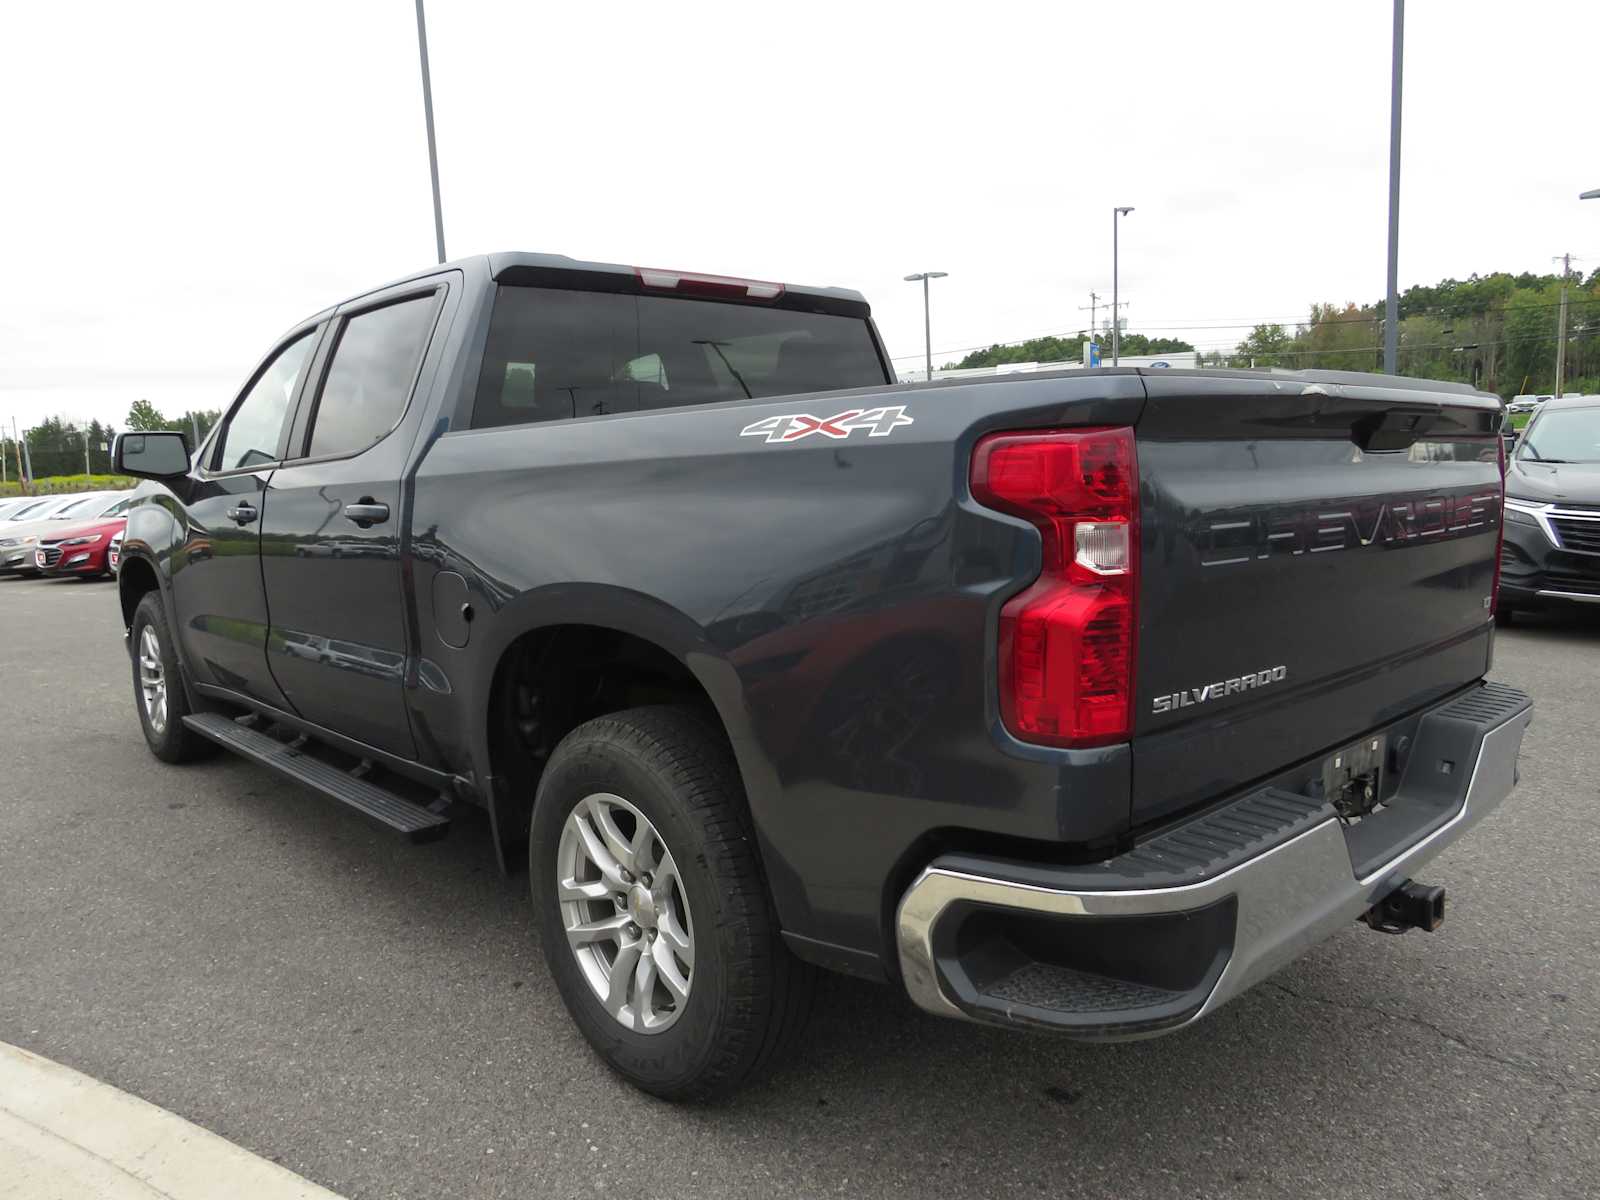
(1502, 614)
(158, 688)
(653, 913)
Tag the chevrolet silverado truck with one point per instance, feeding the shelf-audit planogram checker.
(1077, 701)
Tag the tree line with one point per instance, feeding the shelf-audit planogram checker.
(57, 446)
(1498, 332)
(1067, 348)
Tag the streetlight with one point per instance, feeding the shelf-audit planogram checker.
(1116, 308)
(427, 114)
(927, 324)
(1391, 301)
(1590, 195)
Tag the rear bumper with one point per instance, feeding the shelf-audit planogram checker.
(1161, 936)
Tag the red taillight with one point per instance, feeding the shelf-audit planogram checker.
(1499, 533)
(1067, 642)
(708, 285)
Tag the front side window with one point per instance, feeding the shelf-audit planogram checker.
(370, 378)
(251, 438)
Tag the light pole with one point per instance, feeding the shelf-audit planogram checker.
(427, 114)
(1391, 303)
(1116, 310)
(927, 322)
(1590, 195)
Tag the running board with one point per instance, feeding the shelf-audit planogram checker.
(375, 803)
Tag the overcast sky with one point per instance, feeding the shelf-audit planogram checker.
(182, 181)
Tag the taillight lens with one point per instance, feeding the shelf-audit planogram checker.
(1499, 533)
(1067, 641)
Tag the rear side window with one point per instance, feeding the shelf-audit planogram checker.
(554, 353)
(369, 380)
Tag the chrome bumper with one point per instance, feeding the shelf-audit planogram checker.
(1288, 897)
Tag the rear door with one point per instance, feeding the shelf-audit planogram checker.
(332, 545)
(216, 568)
(1317, 559)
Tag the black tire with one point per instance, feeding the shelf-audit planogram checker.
(748, 996)
(1503, 614)
(174, 742)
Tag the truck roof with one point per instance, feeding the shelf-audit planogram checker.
(551, 270)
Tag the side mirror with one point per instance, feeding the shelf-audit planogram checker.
(163, 455)
(1510, 436)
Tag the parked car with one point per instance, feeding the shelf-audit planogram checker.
(19, 540)
(1076, 701)
(36, 508)
(14, 503)
(81, 549)
(1551, 557)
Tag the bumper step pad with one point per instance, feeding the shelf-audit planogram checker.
(377, 804)
(1185, 920)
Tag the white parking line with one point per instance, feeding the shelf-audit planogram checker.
(64, 1135)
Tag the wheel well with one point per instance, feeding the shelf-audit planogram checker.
(134, 578)
(551, 680)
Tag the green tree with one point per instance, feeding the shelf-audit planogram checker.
(1064, 348)
(200, 421)
(143, 416)
(1267, 346)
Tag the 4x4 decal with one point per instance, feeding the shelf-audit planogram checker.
(791, 427)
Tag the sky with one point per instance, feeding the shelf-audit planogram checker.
(180, 182)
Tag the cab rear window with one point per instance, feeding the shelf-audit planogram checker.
(555, 353)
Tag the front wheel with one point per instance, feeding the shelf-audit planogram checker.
(654, 916)
(158, 688)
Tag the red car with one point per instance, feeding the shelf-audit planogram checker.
(79, 549)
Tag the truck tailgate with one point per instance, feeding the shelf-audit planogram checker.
(1316, 560)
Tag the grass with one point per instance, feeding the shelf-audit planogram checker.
(53, 485)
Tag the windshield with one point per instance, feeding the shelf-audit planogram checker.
(1571, 436)
(76, 508)
(37, 509)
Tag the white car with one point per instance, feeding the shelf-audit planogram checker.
(34, 508)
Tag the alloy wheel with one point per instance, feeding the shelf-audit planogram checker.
(152, 680)
(625, 913)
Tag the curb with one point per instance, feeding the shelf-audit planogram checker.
(63, 1134)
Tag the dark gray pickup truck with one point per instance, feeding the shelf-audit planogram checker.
(1076, 701)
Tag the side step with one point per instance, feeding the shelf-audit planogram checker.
(377, 804)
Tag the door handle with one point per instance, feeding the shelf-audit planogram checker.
(367, 513)
(243, 513)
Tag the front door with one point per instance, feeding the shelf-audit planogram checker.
(216, 567)
(331, 536)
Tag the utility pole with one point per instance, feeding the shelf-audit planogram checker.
(1090, 308)
(1391, 304)
(427, 113)
(16, 440)
(1561, 325)
(86, 468)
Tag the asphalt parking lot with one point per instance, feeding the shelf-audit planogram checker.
(376, 1017)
